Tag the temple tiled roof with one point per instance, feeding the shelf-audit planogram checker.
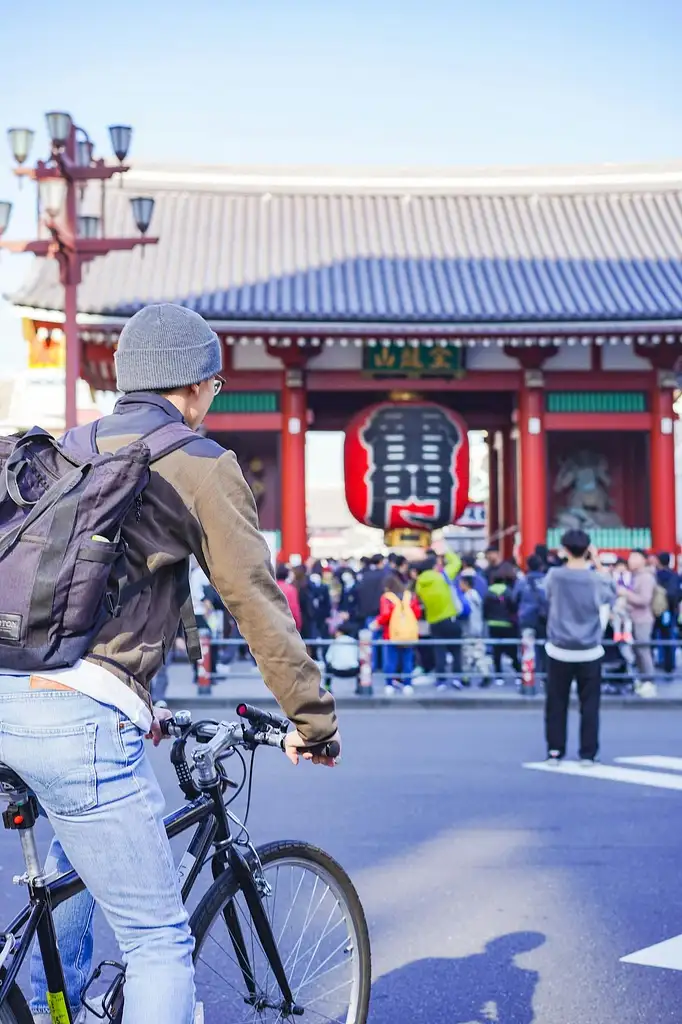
(602, 244)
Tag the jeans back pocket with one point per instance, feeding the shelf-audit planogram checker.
(58, 763)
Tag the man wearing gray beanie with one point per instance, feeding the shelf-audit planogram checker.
(196, 503)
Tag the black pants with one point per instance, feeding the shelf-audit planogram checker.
(341, 673)
(449, 629)
(666, 632)
(426, 656)
(560, 675)
(510, 649)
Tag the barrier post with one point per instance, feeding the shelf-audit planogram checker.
(528, 662)
(364, 687)
(204, 680)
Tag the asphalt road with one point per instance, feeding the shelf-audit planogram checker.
(493, 892)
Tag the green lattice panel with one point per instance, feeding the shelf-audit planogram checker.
(618, 537)
(246, 401)
(596, 401)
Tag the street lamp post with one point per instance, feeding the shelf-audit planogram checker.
(74, 239)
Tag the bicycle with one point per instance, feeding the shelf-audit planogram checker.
(291, 939)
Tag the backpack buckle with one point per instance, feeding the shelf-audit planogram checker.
(114, 603)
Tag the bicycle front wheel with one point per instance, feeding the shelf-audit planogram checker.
(15, 1008)
(321, 933)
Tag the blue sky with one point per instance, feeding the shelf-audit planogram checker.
(358, 82)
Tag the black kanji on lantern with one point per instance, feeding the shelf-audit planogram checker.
(411, 456)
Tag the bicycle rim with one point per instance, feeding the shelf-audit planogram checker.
(15, 1009)
(320, 940)
(7, 1016)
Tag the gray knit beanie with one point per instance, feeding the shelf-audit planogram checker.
(165, 346)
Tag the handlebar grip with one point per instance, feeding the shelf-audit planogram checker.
(174, 726)
(258, 718)
(331, 749)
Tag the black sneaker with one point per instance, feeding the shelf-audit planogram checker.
(554, 757)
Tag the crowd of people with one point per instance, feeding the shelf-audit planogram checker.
(475, 610)
(458, 621)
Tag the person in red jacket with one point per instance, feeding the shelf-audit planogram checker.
(398, 657)
(290, 591)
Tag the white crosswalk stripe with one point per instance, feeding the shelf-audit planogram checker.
(659, 771)
(610, 773)
(671, 764)
(662, 954)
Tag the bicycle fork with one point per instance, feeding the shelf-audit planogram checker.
(266, 938)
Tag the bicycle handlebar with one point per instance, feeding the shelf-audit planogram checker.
(267, 729)
(258, 718)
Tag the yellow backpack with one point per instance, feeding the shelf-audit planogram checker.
(403, 627)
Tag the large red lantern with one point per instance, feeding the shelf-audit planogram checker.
(406, 466)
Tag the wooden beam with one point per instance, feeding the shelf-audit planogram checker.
(604, 380)
(353, 380)
(596, 421)
(243, 421)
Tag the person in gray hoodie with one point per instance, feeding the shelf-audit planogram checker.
(576, 593)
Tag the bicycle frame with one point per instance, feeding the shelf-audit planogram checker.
(209, 814)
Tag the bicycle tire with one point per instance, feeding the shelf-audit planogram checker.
(225, 889)
(15, 1010)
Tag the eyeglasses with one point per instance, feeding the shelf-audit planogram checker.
(218, 385)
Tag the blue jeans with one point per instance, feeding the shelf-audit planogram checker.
(398, 661)
(87, 765)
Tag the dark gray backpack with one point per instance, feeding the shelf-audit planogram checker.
(62, 555)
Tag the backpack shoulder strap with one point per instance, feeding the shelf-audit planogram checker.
(167, 438)
(160, 440)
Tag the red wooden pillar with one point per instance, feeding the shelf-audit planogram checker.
(662, 463)
(532, 464)
(509, 518)
(292, 469)
(493, 487)
(70, 274)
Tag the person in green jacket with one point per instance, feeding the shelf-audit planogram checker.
(500, 612)
(437, 592)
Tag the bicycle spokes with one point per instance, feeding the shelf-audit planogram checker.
(314, 936)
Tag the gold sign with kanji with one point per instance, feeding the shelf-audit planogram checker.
(407, 361)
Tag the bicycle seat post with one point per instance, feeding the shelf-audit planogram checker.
(30, 851)
(21, 816)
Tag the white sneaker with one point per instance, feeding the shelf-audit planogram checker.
(408, 690)
(646, 690)
(499, 681)
(389, 691)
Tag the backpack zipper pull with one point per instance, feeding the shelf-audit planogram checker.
(138, 508)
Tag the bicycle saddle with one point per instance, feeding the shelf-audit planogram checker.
(10, 782)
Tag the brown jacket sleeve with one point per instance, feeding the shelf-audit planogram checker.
(238, 562)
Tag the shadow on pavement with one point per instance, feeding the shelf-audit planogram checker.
(479, 989)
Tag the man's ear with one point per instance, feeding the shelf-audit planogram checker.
(194, 390)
